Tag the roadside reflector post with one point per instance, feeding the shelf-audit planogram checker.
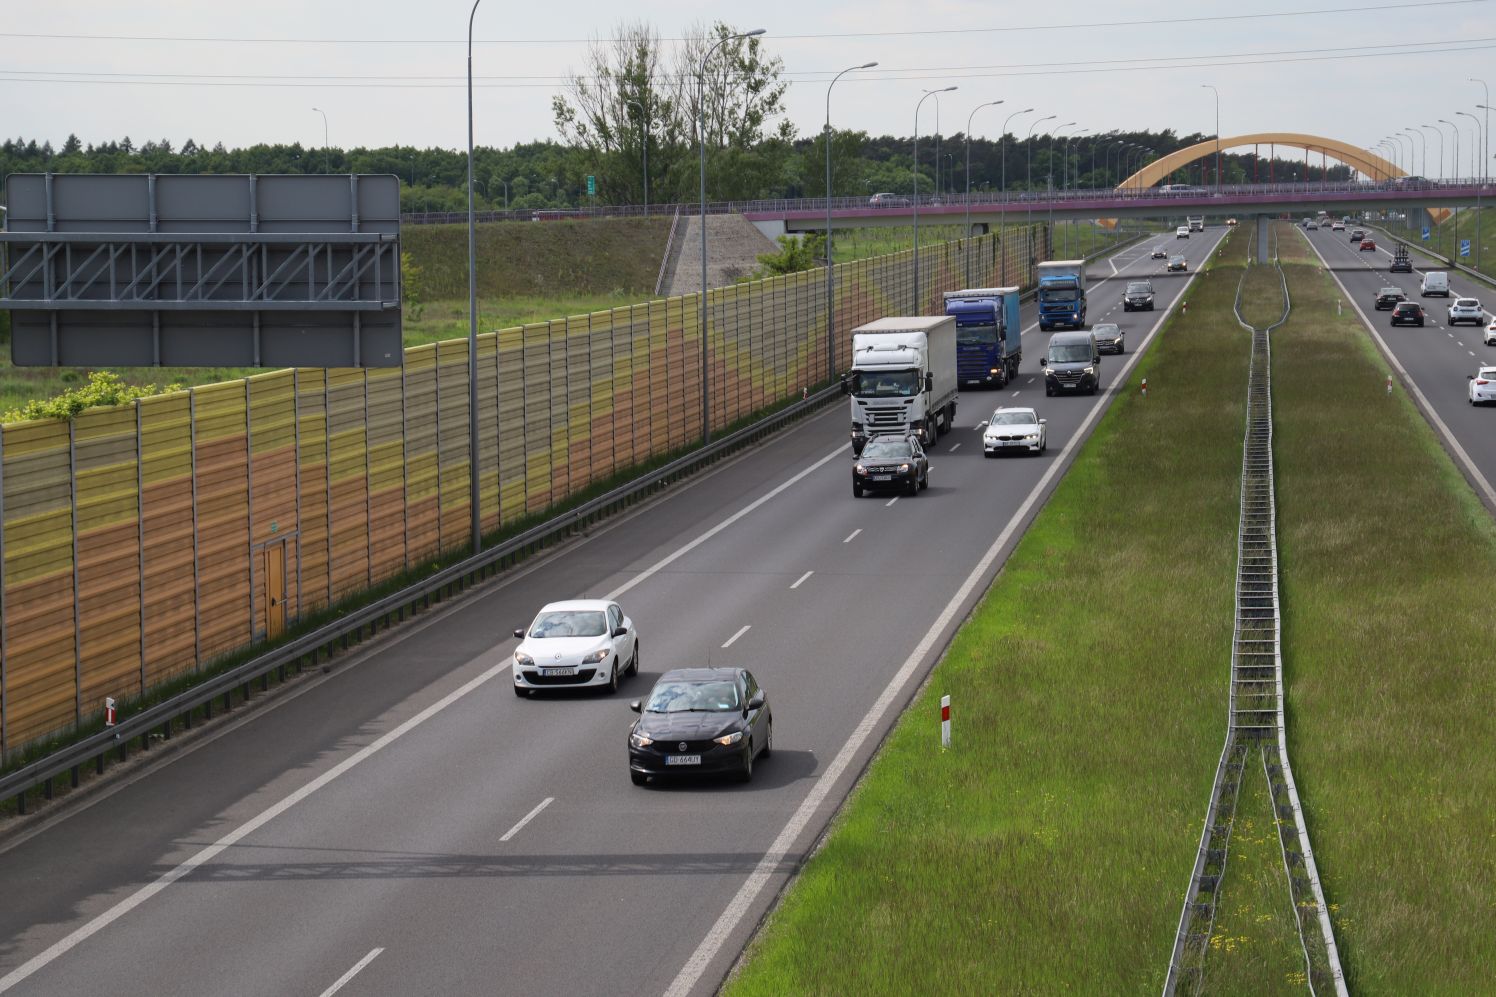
(804, 393)
(945, 721)
(109, 711)
(1389, 384)
(1145, 387)
(1184, 307)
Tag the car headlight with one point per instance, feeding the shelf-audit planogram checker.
(903, 468)
(640, 740)
(729, 739)
(1032, 436)
(859, 469)
(522, 659)
(1090, 370)
(596, 656)
(994, 370)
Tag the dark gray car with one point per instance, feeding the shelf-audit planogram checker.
(1072, 363)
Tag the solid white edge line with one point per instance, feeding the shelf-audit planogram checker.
(680, 552)
(851, 536)
(527, 818)
(801, 580)
(691, 973)
(358, 967)
(1479, 479)
(741, 631)
(205, 855)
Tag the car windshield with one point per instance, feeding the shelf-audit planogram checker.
(1409, 307)
(1017, 417)
(1138, 287)
(1104, 328)
(976, 334)
(1069, 353)
(1390, 290)
(1057, 295)
(1467, 303)
(887, 383)
(688, 697)
(570, 623)
(892, 449)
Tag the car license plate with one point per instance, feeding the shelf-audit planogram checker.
(558, 672)
(882, 477)
(682, 759)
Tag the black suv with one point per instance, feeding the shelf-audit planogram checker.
(1388, 297)
(1407, 313)
(891, 463)
(1138, 296)
(1072, 363)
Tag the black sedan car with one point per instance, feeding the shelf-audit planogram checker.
(891, 463)
(1407, 313)
(700, 720)
(1388, 297)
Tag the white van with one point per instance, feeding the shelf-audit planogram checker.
(1182, 232)
(1434, 282)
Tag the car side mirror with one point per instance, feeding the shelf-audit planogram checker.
(637, 705)
(620, 631)
(520, 633)
(1044, 361)
(846, 385)
(1469, 377)
(757, 702)
(1043, 421)
(1096, 358)
(929, 381)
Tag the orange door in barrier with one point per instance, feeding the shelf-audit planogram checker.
(275, 590)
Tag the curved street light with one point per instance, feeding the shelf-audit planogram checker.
(473, 491)
(1410, 130)
(706, 420)
(326, 155)
(644, 141)
(1002, 142)
(1217, 93)
(966, 229)
(830, 261)
(1029, 182)
(928, 95)
(1439, 141)
(1457, 139)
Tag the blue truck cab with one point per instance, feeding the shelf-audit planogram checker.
(989, 338)
(1062, 294)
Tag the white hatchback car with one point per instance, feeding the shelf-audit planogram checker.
(1483, 386)
(583, 643)
(1014, 429)
(1490, 334)
(1466, 310)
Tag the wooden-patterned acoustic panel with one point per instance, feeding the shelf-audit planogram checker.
(422, 482)
(386, 460)
(274, 496)
(168, 536)
(313, 569)
(348, 424)
(224, 562)
(452, 443)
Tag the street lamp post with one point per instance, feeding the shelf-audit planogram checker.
(1065, 162)
(326, 155)
(1003, 155)
(966, 224)
(1423, 170)
(1485, 131)
(1217, 93)
(1475, 145)
(477, 520)
(1029, 182)
(1049, 177)
(830, 260)
(937, 94)
(706, 420)
(506, 192)
(644, 139)
(1439, 141)
(927, 96)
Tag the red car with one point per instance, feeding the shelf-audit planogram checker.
(1368, 244)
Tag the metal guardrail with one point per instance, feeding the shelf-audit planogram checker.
(385, 612)
(1255, 709)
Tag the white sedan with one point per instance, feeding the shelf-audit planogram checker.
(1483, 386)
(1466, 310)
(1490, 336)
(1014, 429)
(583, 643)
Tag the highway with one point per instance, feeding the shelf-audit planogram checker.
(404, 824)
(1434, 359)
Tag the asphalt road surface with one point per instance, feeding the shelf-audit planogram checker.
(1434, 359)
(404, 824)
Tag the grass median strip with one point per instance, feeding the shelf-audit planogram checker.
(1050, 847)
(1388, 564)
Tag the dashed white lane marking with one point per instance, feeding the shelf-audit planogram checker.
(1031, 380)
(891, 501)
(527, 818)
(1015, 394)
(954, 448)
(1471, 352)
(801, 580)
(357, 968)
(741, 631)
(980, 426)
(852, 535)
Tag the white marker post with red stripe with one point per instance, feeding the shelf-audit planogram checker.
(945, 721)
(109, 711)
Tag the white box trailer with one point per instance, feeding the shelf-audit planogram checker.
(903, 378)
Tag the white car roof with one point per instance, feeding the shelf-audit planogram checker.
(1015, 408)
(568, 605)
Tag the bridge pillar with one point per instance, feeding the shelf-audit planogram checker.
(772, 228)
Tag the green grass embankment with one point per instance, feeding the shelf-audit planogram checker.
(1050, 849)
(1388, 566)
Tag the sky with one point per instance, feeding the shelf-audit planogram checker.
(388, 73)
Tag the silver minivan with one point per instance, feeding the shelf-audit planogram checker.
(1434, 282)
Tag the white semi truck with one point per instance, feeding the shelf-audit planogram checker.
(903, 378)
